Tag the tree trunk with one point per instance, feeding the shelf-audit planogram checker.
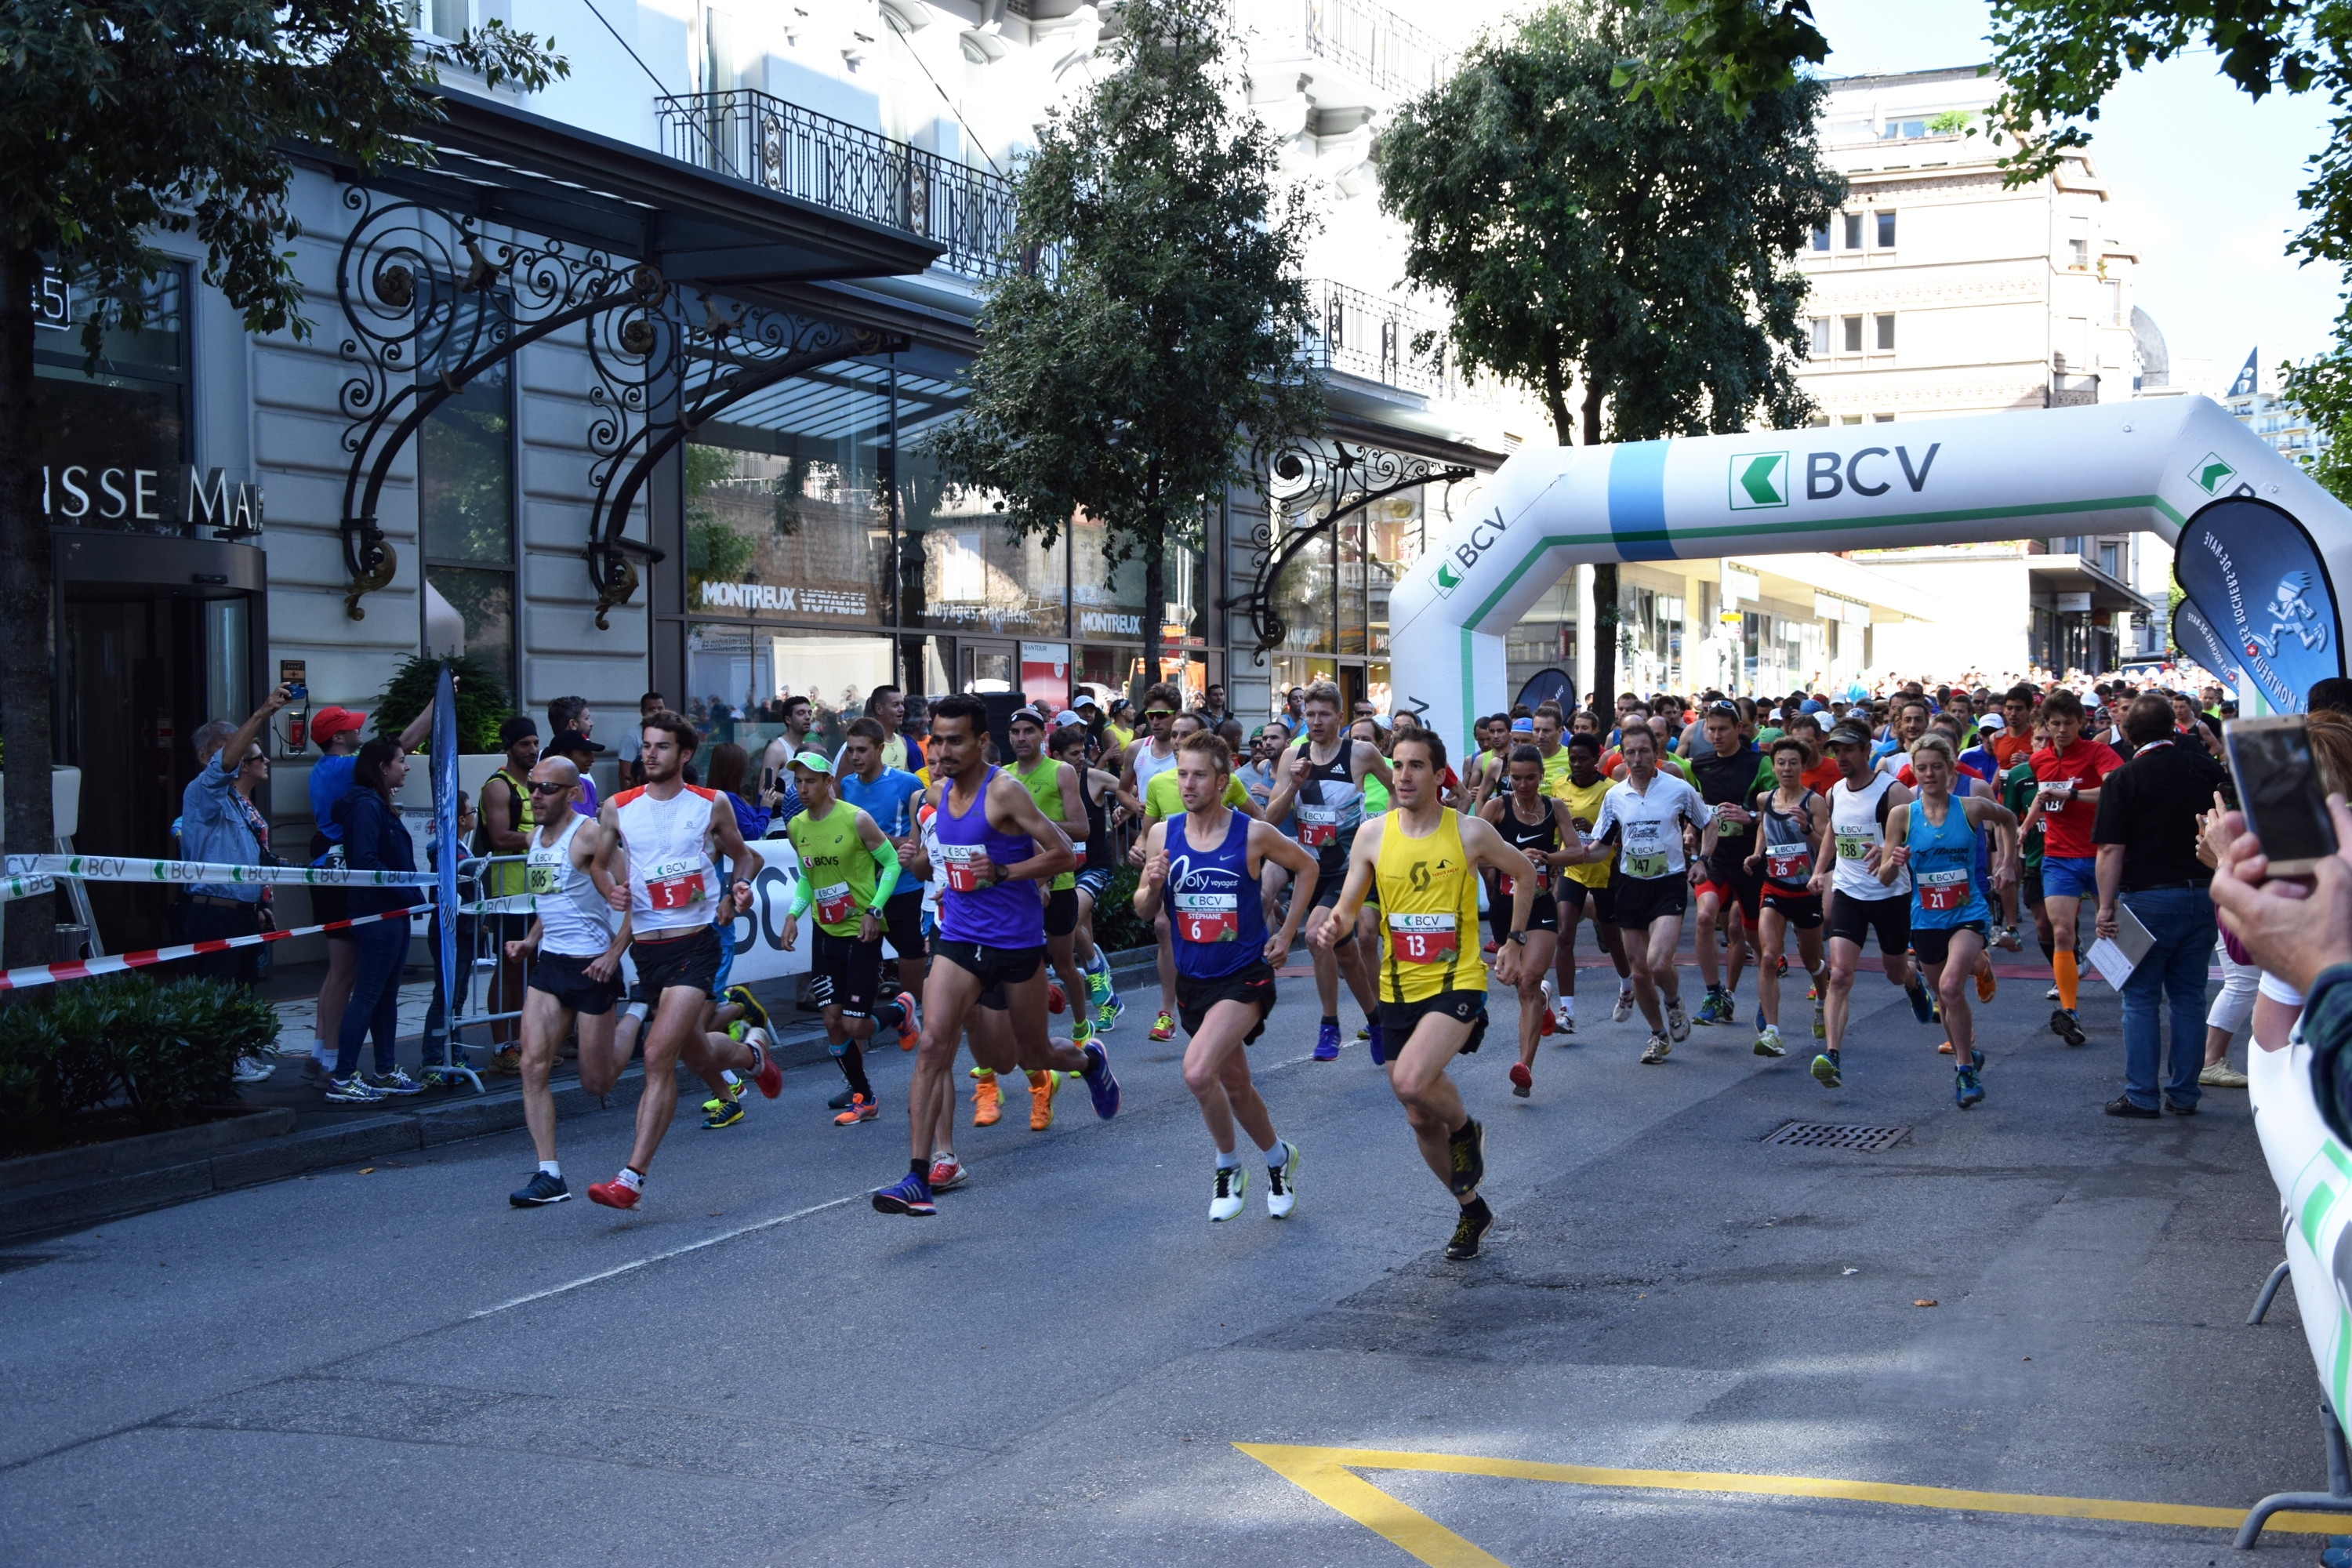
(1604, 593)
(1155, 613)
(25, 591)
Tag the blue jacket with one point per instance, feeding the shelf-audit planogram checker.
(376, 839)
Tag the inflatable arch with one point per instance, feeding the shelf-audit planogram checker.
(2266, 544)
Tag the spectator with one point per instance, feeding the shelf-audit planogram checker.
(2331, 693)
(1212, 707)
(2146, 833)
(633, 773)
(570, 713)
(887, 706)
(729, 766)
(798, 717)
(507, 826)
(376, 839)
(337, 730)
(217, 828)
(574, 747)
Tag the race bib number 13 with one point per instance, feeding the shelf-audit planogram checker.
(1422, 938)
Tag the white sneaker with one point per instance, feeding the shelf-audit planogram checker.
(254, 1070)
(1677, 1022)
(1658, 1051)
(2050, 995)
(1623, 1009)
(1768, 1042)
(1281, 1185)
(1233, 1186)
(1565, 1023)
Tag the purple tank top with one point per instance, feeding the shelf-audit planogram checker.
(1004, 914)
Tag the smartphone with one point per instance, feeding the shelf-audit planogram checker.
(2280, 791)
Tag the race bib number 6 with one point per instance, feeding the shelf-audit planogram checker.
(1422, 938)
(1208, 917)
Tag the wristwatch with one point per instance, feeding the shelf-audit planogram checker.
(1518, 936)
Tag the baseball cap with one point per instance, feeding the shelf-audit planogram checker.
(1993, 721)
(568, 742)
(1848, 733)
(517, 726)
(814, 762)
(329, 722)
(1067, 717)
(1087, 700)
(1523, 726)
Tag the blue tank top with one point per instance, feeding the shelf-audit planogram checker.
(1944, 890)
(1213, 907)
(1002, 914)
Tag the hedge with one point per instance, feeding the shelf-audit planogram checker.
(125, 1042)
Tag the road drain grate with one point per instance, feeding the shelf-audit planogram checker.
(1828, 1135)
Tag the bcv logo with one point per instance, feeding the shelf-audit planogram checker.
(1456, 564)
(1831, 474)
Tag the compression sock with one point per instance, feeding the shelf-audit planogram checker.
(852, 1068)
(2068, 977)
(889, 1015)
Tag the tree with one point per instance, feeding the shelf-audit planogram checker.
(123, 119)
(1642, 255)
(1123, 373)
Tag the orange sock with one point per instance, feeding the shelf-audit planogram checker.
(2063, 964)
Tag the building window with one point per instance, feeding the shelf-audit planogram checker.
(1821, 237)
(1885, 231)
(2078, 244)
(1881, 419)
(1818, 422)
(2116, 316)
(1852, 326)
(110, 443)
(2111, 560)
(465, 515)
(1820, 337)
(1851, 419)
(1853, 231)
(1882, 327)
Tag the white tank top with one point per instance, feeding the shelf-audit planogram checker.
(1148, 767)
(573, 917)
(1853, 823)
(673, 882)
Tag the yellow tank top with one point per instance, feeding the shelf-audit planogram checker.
(1429, 912)
(1584, 804)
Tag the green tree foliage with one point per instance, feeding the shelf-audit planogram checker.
(121, 120)
(1124, 375)
(1587, 240)
(482, 702)
(1737, 50)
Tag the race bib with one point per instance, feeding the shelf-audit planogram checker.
(957, 861)
(544, 872)
(1539, 882)
(1422, 938)
(1318, 825)
(832, 903)
(1208, 917)
(1942, 889)
(675, 885)
(1787, 865)
(1855, 845)
(1649, 865)
(1727, 829)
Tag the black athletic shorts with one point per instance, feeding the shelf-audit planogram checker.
(902, 922)
(1802, 911)
(1641, 899)
(1568, 902)
(2030, 886)
(1934, 943)
(1399, 1019)
(1854, 918)
(1543, 914)
(1604, 902)
(565, 977)
(1196, 995)
(1060, 911)
(687, 961)
(996, 966)
(846, 973)
(1095, 880)
(1733, 881)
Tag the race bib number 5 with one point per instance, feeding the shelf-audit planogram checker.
(1422, 938)
(1208, 917)
(676, 885)
(1942, 889)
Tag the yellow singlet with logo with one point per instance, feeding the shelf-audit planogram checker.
(1584, 805)
(1428, 912)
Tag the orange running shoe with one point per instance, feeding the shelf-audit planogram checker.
(860, 1110)
(1945, 1049)
(1043, 1087)
(1986, 984)
(987, 1102)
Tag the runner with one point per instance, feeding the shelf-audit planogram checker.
(1642, 818)
(1097, 788)
(574, 949)
(888, 795)
(2069, 769)
(1053, 785)
(1730, 773)
(667, 831)
(1936, 843)
(1864, 893)
(1537, 826)
(1584, 887)
(1794, 821)
(1322, 793)
(849, 870)
(992, 841)
(1205, 864)
(1425, 860)
(1152, 754)
(1162, 803)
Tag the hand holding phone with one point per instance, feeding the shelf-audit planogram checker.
(2281, 792)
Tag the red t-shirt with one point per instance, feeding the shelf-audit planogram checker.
(1820, 777)
(2007, 749)
(2067, 833)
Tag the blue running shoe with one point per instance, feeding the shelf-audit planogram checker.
(1100, 1082)
(1379, 1047)
(1827, 1071)
(911, 1196)
(1966, 1088)
(1327, 1043)
(1107, 1015)
(1923, 1007)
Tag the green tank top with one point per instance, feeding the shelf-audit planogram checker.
(1044, 783)
(839, 866)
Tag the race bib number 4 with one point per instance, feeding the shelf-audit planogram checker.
(676, 885)
(1422, 938)
(1942, 889)
(957, 861)
(1208, 917)
(832, 903)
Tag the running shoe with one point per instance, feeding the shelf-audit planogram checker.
(1043, 1087)
(1098, 985)
(1054, 1001)
(1986, 983)
(1492, 945)
(1567, 1022)
(1622, 1009)
(1468, 1150)
(1282, 1185)
(1523, 1082)
(1475, 1221)
(1713, 1008)
(726, 1110)
(615, 1193)
(1377, 1044)
(2221, 1075)
(1821, 1023)
(1658, 1050)
(838, 1101)
(1327, 1043)
(987, 1100)
(753, 1014)
(910, 1194)
(1163, 1027)
(1923, 1007)
(2050, 995)
(860, 1110)
(2008, 939)
(1364, 1032)
(1945, 1049)
(395, 1082)
(1968, 1088)
(910, 1022)
(1100, 1082)
(254, 1070)
(1768, 1042)
(542, 1189)
(1227, 1195)
(351, 1090)
(2067, 1026)
(1782, 972)
(947, 1173)
(1549, 1020)
(1107, 1015)
(1826, 1070)
(1080, 1030)
(766, 1072)
(1677, 1021)
(505, 1061)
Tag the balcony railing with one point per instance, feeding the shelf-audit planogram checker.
(850, 169)
(1384, 49)
(1364, 335)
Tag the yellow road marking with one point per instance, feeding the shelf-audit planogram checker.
(1326, 1474)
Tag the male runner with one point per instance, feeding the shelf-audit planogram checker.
(849, 869)
(1642, 827)
(1537, 826)
(667, 831)
(1548, 726)
(1205, 866)
(1053, 785)
(1425, 860)
(1728, 773)
(2069, 769)
(1161, 802)
(1098, 788)
(1861, 901)
(574, 948)
(1149, 754)
(1583, 888)
(1323, 791)
(888, 795)
(993, 844)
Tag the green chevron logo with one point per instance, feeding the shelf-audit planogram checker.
(1448, 579)
(1758, 480)
(2211, 473)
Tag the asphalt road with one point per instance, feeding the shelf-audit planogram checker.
(388, 1366)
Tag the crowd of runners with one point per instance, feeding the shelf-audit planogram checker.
(1929, 824)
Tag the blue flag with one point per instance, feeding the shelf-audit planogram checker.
(445, 833)
(2194, 636)
(2252, 571)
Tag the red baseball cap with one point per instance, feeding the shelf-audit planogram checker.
(329, 722)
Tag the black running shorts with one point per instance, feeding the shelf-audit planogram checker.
(1641, 899)
(1934, 943)
(1060, 911)
(1399, 1019)
(1856, 918)
(565, 977)
(1802, 911)
(689, 962)
(902, 921)
(997, 967)
(845, 973)
(1542, 915)
(1196, 995)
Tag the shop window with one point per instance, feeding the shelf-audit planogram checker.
(961, 569)
(1107, 602)
(465, 511)
(113, 439)
(738, 675)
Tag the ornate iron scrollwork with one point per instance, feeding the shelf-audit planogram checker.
(1300, 476)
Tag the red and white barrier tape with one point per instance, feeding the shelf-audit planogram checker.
(115, 963)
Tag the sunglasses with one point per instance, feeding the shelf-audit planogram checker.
(538, 788)
(1159, 714)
